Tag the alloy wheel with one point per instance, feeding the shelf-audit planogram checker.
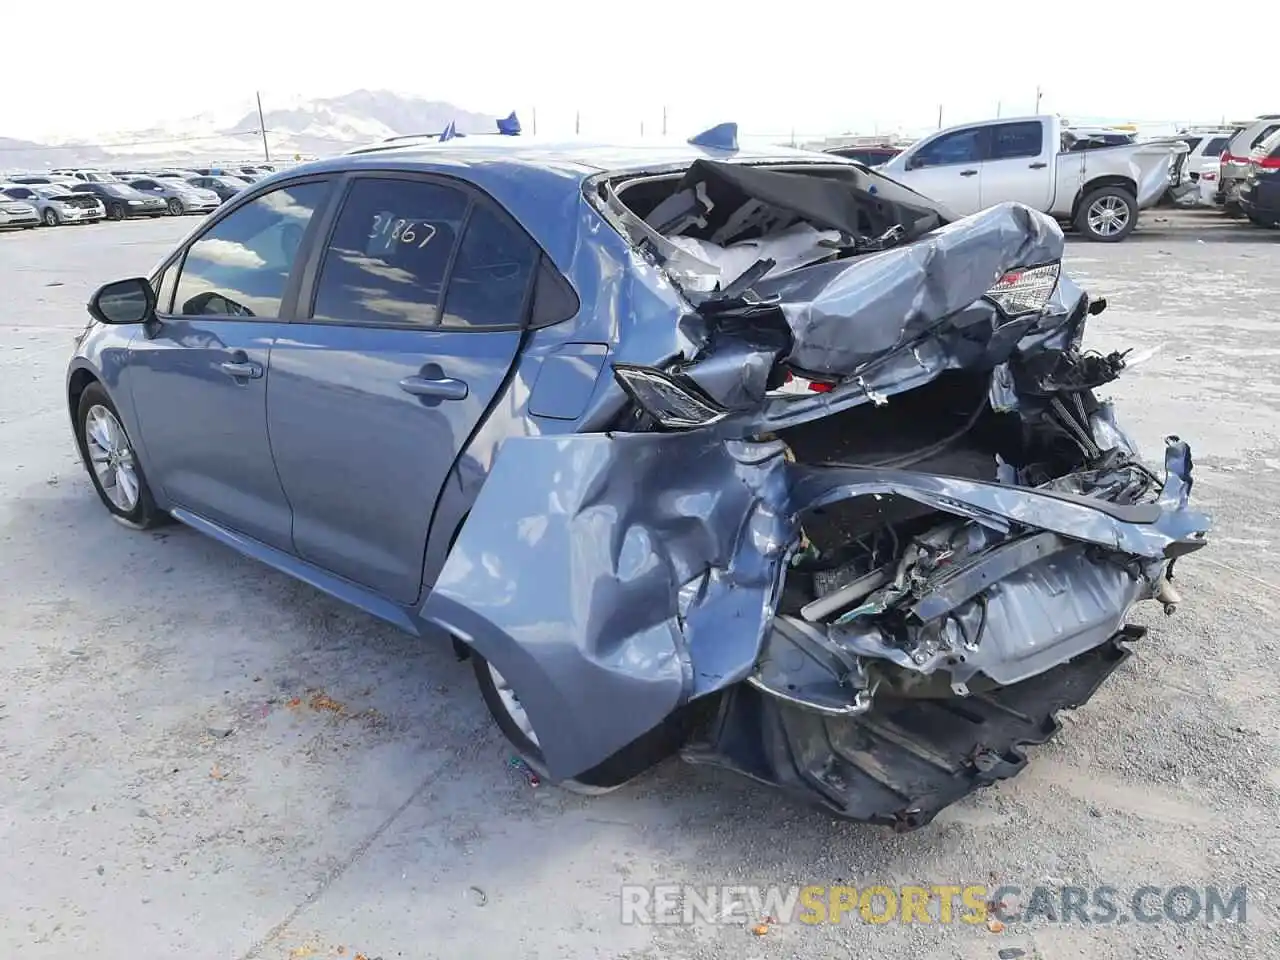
(511, 704)
(1108, 216)
(111, 456)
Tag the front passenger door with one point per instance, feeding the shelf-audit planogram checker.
(200, 372)
(949, 169)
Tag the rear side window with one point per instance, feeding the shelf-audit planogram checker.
(1266, 132)
(390, 250)
(962, 146)
(871, 156)
(489, 283)
(1012, 140)
(1215, 146)
(241, 266)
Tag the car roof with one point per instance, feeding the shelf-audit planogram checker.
(534, 179)
(585, 157)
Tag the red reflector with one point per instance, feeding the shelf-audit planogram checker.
(820, 387)
(1210, 175)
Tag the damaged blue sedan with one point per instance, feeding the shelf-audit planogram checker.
(757, 457)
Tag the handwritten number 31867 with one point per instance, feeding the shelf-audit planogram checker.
(401, 230)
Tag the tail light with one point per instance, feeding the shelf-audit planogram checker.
(1269, 163)
(818, 386)
(1209, 175)
(676, 402)
(1025, 290)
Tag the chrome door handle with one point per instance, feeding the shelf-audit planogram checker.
(242, 369)
(444, 388)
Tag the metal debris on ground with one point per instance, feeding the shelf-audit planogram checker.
(530, 775)
(1011, 953)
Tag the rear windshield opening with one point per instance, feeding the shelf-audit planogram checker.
(719, 226)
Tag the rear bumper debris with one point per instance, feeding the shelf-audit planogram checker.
(904, 760)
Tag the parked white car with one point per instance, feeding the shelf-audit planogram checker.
(1099, 191)
(55, 203)
(1202, 166)
(17, 214)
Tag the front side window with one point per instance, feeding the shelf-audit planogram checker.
(1009, 141)
(241, 266)
(962, 146)
(390, 250)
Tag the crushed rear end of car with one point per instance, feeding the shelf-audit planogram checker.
(872, 529)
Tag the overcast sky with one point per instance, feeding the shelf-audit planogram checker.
(814, 66)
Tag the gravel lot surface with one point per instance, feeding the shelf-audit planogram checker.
(200, 758)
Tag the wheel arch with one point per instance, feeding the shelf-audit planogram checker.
(78, 380)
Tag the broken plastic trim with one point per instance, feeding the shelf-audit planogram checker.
(676, 402)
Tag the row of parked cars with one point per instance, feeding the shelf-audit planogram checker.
(83, 196)
(1249, 172)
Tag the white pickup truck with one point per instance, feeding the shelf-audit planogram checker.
(1098, 190)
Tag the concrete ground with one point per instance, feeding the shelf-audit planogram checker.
(202, 758)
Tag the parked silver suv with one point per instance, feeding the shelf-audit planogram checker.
(1234, 165)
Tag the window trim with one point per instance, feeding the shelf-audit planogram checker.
(473, 194)
(289, 299)
(984, 147)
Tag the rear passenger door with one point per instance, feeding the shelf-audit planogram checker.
(1019, 165)
(417, 300)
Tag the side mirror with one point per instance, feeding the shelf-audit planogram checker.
(124, 301)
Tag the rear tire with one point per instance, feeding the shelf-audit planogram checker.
(628, 763)
(176, 208)
(1107, 215)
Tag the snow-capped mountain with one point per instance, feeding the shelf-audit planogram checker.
(301, 127)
